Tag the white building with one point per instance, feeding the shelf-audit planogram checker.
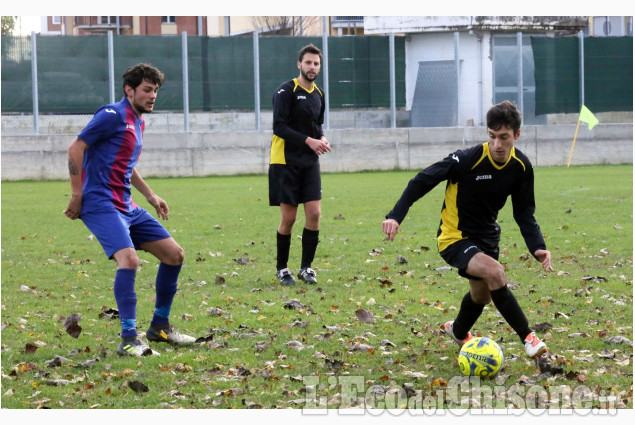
(491, 55)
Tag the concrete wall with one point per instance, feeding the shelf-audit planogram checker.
(202, 154)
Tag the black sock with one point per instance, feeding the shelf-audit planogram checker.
(284, 245)
(310, 240)
(508, 307)
(468, 315)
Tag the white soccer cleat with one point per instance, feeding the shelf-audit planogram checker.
(534, 347)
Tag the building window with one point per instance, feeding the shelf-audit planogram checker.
(107, 20)
(56, 20)
(168, 19)
(506, 75)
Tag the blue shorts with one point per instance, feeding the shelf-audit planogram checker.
(116, 230)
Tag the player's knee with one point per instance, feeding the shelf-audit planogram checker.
(496, 276)
(177, 256)
(127, 259)
(313, 215)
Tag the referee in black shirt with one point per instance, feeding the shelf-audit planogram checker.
(294, 167)
(479, 180)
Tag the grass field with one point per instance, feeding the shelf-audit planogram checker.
(305, 346)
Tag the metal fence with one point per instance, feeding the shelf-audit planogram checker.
(53, 85)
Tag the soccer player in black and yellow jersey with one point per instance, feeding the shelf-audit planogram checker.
(294, 167)
(479, 181)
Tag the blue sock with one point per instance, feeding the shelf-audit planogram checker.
(126, 299)
(165, 285)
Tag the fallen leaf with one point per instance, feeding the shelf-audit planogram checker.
(581, 378)
(241, 260)
(109, 313)
(334, 365)
(364, 316)
(543, 326)
(546, 366)
(596, 279)
(138, 386)
(71, 324)
(619, 339)
(293, 305)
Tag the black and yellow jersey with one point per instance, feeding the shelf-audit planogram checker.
(297, 114)
(477, 189)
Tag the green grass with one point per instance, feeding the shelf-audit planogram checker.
(50, 269)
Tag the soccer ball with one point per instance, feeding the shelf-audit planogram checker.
(482, 357)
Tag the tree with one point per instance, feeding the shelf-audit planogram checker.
(8, 24)
(284, 25)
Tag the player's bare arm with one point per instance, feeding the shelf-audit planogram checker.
(159, 204)
(75, 160)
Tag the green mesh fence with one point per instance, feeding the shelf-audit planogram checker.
(608, 74)
(73, 71)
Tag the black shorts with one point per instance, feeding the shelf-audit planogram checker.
(461, 252)
(290, 184)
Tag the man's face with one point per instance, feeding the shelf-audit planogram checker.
(501, 142)
(310, 66)
(143, 97)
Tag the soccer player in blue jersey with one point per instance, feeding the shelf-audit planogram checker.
(479, 181)
(294, 166)
(101, 162)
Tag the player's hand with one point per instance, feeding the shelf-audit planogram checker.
(544, 257)
(160, 205)
(319, 146)
(74, 208)
(390, 227)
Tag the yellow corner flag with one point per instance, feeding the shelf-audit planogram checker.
(588, 117)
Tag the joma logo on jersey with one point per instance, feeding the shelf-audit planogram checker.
(301, 97)
(129, 127)
(484, 177)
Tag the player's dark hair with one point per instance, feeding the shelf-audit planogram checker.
(504, 114)
(309, 49)
(135, 75)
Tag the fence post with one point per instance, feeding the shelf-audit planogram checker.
(457, 68)
(111, 68)
(36, 111)
(521, 97)
(186, 92)
(581, 49)
(393, 102)
(325, 72)
(257, 79)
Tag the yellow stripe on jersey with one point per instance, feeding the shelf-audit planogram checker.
(450, 232)
(483, 156)
(277, 151)
(297, 84)
(513, 155)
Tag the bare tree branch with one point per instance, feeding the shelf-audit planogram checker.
(284, 25)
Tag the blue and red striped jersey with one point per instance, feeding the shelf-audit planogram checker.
(114, 136)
